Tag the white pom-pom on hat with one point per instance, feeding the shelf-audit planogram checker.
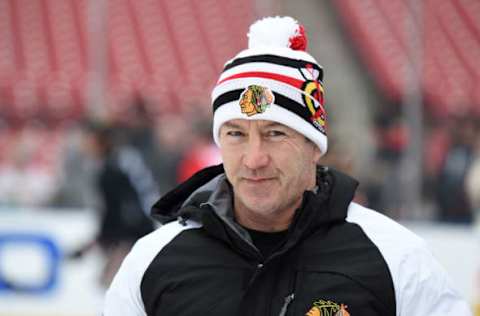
(277, 32)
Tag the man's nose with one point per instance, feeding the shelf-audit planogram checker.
(255, 155)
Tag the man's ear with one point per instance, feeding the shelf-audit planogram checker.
(317, 154)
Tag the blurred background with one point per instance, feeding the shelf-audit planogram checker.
(104, 107)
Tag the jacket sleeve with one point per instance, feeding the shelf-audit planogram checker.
(426, 289)
(124, 297)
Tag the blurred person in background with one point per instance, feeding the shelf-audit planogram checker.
(174, 136)
(472, 183)
(451, 193)
(139, 128)
(126, 188)
(77, 188)
(383, 188)
(200, 154)
(270, 232)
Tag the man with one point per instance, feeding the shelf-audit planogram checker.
(269, 232)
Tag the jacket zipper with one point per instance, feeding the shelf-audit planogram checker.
(288, 300)
(255, 274)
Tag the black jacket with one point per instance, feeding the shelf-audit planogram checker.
(201, 262)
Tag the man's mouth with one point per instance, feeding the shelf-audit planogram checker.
(258, 179)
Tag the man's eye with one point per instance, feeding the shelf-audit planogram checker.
(234, 133)
(275, 133)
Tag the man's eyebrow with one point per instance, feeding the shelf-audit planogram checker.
(274, 124)
(231, 125)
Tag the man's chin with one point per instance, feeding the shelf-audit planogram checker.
(258, 205)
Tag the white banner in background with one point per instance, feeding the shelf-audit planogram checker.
(457, 247)
(36, 279)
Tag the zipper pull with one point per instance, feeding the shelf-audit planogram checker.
(288, 300)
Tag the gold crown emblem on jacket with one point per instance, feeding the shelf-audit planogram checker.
(327, 308)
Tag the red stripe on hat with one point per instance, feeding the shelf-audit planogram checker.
(268, 75)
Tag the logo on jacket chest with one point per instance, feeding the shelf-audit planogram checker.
(328, 308)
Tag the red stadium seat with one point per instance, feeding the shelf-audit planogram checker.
(450, 47)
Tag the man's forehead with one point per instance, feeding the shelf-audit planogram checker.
(240, 123)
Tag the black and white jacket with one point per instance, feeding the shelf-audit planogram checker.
(339, 258)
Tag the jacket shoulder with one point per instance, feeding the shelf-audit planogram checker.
(384, 230)
(124, 296)
(422, 286)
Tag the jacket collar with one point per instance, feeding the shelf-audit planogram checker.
(194, 190)
(207, 198)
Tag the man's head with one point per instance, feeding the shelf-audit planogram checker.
(269, 118)
(269, 166)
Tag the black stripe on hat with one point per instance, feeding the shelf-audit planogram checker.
(275, 59)
(280, 100)
(227, 97)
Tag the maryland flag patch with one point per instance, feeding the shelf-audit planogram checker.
(255, 99)
(327, 308)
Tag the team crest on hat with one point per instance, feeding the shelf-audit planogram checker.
(255, 99)
(327, 308)
(313, 90)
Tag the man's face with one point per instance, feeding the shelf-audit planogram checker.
(268, 164)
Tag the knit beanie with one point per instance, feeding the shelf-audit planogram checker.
(274, 79)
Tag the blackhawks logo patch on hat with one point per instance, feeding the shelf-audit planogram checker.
(327, 308)
(255, 99)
